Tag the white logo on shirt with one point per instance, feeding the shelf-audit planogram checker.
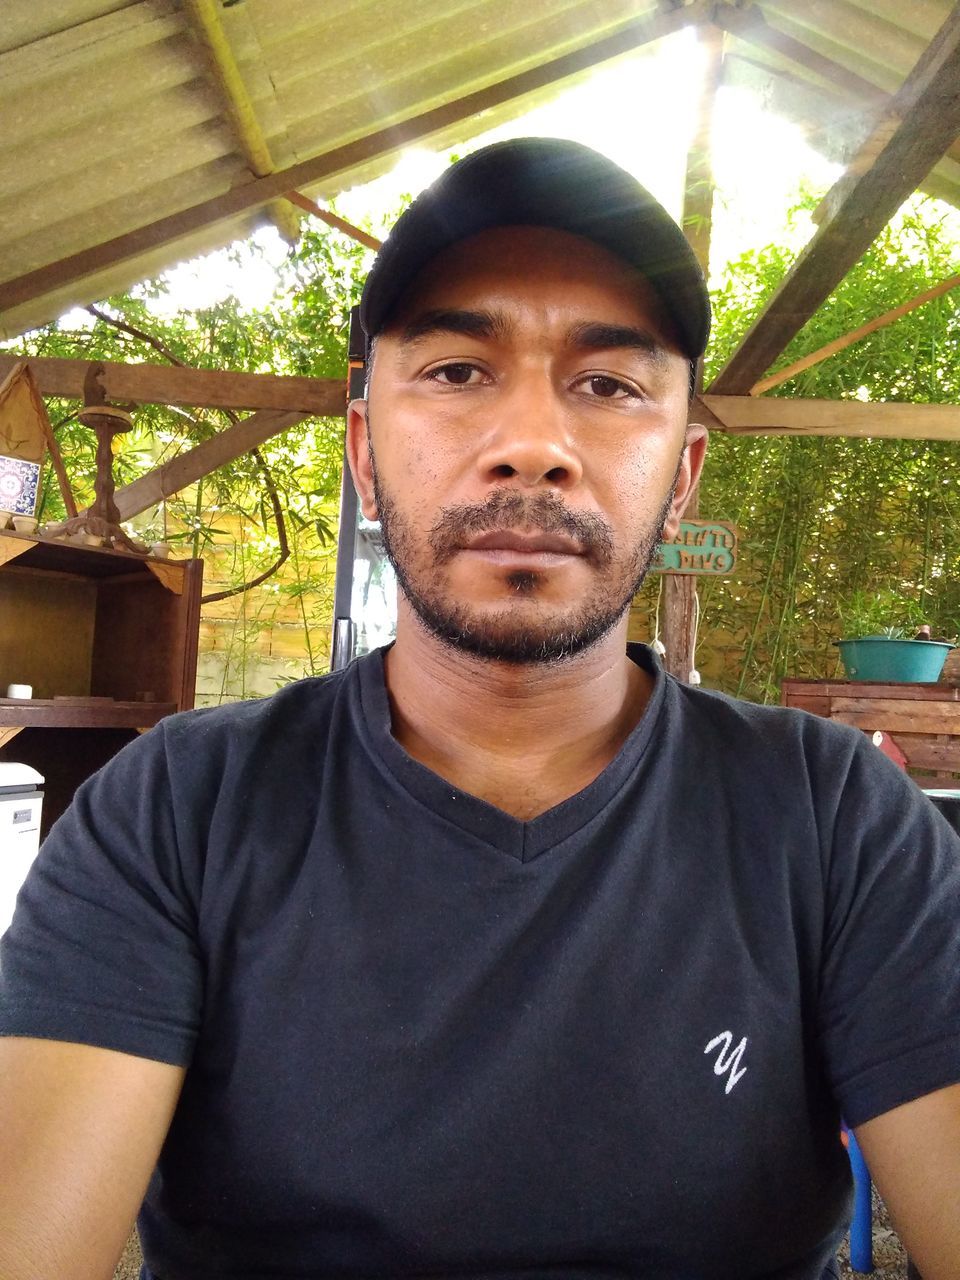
(727, 1061)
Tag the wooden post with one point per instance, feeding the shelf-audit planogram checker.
(679, 592)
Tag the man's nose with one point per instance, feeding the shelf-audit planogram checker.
(532, 440)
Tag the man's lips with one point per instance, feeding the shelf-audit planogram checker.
(508, 540)
(506, 545)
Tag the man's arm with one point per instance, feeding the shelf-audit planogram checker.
(81, 1131)
(913, 1153)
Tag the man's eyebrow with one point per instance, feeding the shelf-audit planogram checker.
(471, 324)
(600, 336)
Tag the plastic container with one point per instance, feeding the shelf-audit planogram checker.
(21, 798)
(897, 661)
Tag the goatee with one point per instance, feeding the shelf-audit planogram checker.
(505, 636)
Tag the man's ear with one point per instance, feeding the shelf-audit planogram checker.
(358, 457)
(688, 477)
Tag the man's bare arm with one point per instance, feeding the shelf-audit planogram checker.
(80, 1132)
(913, 1153)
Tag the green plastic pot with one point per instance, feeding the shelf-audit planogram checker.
(899, 661)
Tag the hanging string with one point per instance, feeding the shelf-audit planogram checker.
(658, 647)
(694, 675)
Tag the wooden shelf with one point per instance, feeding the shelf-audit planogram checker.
(54, 713)
(27, 551)
(106, 639)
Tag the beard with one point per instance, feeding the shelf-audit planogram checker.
(512, 635)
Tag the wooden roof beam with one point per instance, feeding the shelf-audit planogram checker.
(915, 129)
(776, 416)
(260, 191)
(194, 388)
(848, 339)
(204, 18)
(750, 25)
(192, 465)
(332, 220)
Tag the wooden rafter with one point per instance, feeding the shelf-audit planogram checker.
(680, 592)
(924, 118)
(332, 220)
(848, 339)
(260, 191)
(773, 415)
(749, 24)
(189, 467)
(197, 388)
(697, 217)
(205, 22)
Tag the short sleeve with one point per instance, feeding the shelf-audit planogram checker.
(103, 947)
(890, 976)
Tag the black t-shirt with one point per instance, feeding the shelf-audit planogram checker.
(427, 1039)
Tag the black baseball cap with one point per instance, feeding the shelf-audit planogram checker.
(543, 182)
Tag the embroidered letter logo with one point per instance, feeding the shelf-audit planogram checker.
(727, 1060)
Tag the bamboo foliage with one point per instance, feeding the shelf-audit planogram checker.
(823, 518)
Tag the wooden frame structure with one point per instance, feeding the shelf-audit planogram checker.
(909, 136)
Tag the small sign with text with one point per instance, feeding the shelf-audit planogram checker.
(701, 546)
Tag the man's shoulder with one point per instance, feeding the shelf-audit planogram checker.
(765, 740)
(294, 723)
(300, 702)
(695, 712)
(713, 707)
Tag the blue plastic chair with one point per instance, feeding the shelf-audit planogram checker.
(861, 1228)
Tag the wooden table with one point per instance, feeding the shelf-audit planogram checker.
(923, 720)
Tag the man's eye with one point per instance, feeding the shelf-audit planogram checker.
(457, 374)
(607, 388)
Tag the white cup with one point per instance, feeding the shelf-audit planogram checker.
(25, 524)
(19, 690)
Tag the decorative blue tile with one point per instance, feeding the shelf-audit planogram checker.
(18, 485)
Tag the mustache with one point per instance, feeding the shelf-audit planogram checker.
(509, 509)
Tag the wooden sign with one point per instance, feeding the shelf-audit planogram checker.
(701, 546)
(25, 430)
(24, 424)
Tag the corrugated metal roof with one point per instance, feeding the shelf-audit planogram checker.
(119, 157)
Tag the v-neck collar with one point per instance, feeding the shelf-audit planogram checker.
(478, 818)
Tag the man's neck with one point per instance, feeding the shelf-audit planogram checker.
(524, 737)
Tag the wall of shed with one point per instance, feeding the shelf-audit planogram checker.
(253, 643)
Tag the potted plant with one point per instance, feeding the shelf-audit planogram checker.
(887, 638)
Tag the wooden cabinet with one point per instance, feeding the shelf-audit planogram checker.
(107, 639)
(923, 720)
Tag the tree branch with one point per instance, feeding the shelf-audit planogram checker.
(125, 327)
(281, 536)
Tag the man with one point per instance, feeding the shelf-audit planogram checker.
(499, 953)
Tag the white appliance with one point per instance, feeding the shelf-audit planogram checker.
(21, 798)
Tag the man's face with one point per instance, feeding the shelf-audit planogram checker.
(523, 442)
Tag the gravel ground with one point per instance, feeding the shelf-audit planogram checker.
(889, 1260)
(129, 1265)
